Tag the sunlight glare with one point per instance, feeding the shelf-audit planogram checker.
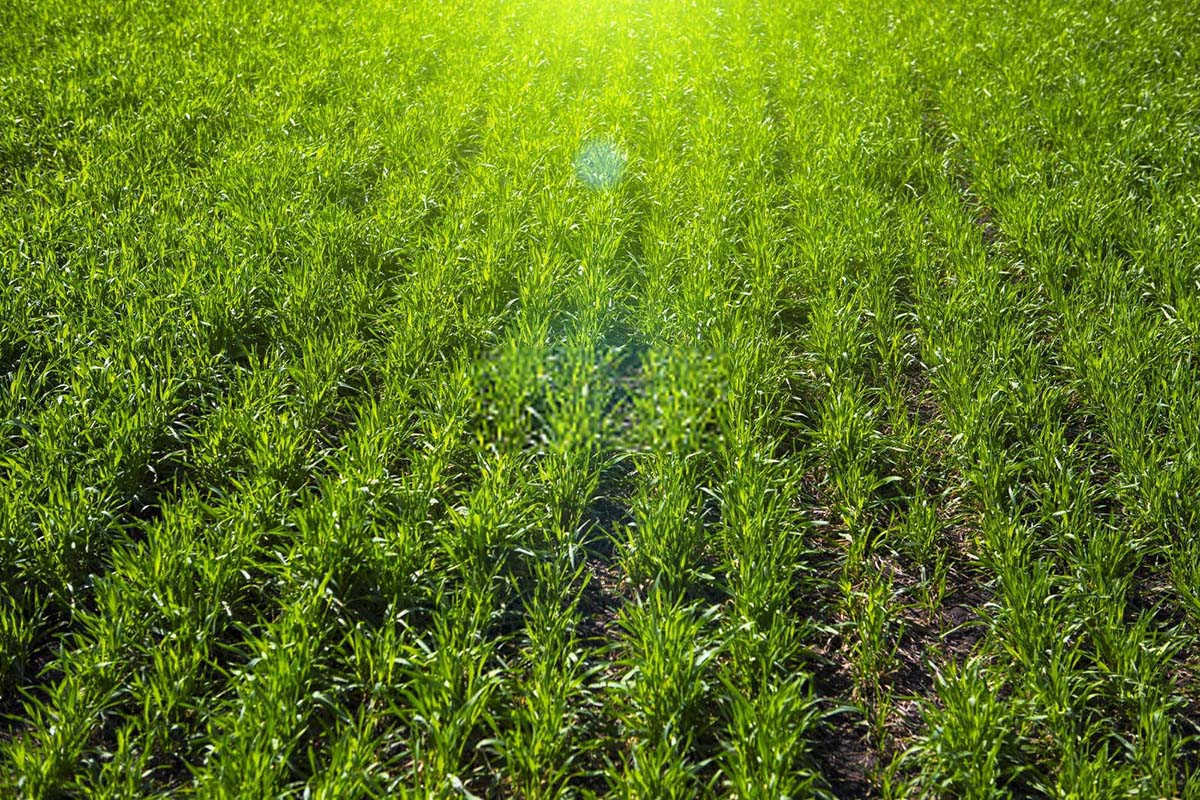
(600, 163)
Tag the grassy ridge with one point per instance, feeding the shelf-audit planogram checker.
(559, 398)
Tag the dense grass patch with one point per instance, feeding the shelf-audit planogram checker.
(565, 398)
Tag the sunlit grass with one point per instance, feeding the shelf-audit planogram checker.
(566, 398)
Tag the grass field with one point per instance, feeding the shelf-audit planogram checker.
(451, 398)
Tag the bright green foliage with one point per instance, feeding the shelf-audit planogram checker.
(566, 398)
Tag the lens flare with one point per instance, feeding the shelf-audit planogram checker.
(600, 163)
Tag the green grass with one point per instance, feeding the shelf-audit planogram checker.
(575, 398)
